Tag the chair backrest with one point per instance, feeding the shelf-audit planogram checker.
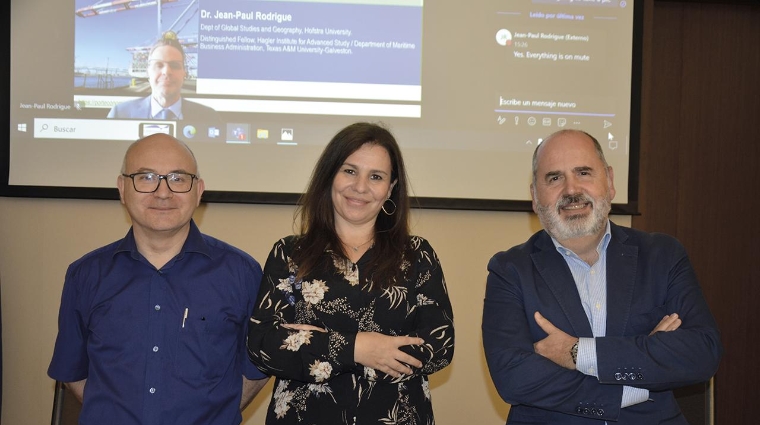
(66, 407)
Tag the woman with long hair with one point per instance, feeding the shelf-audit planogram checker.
(353, 312)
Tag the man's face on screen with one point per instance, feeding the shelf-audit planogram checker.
(166, 73)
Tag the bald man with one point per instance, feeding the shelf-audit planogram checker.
(588, 322)
(152, 327)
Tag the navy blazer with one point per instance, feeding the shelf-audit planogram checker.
(648, 276)
(140, 108)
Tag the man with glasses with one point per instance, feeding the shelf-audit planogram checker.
(152, 328)
(166, 75)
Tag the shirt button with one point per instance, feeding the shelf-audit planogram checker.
(157, 307)
(155, 349)
(598, 306)
(591, 370)
(593, 272)
(152, 390)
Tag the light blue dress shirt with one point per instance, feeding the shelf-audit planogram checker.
(156, 108)
(591, 281)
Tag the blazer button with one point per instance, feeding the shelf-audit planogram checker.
(618, 376)
(579, 410)
(600, 412)
(640, 375)
(585, 410)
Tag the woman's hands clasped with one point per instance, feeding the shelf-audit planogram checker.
(378, 351)
(381, 352)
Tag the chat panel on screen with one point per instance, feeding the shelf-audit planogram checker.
(574, 58)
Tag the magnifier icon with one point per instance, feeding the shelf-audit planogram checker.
(44, 127)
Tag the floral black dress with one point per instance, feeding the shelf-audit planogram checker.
(318, 382)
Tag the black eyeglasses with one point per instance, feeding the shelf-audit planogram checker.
(149, 182)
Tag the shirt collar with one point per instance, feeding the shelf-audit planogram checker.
(602, 247)
(194, 243)
(175, 107)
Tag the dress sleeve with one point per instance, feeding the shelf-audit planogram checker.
(432, 313)
(303, 355)
(251, 276)
(434, 321)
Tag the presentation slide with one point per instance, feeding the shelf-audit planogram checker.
(257, 88)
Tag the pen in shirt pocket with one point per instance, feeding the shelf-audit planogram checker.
(184, 317)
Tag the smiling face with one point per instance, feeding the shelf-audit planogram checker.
(166, 74)
(361, 186)
(163, 211)
(573, 189)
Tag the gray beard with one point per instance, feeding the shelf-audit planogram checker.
(575, 226)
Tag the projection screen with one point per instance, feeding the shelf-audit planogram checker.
(468, 89)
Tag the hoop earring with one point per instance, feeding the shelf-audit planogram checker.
(386, 211)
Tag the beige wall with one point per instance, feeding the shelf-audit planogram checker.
(40, 237)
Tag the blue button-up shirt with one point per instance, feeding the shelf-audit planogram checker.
(163, 346)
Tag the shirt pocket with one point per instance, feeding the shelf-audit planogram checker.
(206, 346)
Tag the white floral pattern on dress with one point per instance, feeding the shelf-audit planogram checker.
(282, 399)
(320, 370)
(285, 285)
(369, 373)
(348, 269)
(294, 341)
(423, 300)
(314, 292)
(352, 276)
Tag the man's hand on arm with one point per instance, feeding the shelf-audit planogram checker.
(668, 323)
(251, 387)
(557, 345)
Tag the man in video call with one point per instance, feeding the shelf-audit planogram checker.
(152, 328)
(589, 322)
(166, 75)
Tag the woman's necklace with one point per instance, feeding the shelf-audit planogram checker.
(356, 248)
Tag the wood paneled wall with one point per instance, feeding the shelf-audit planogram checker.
(700, 155)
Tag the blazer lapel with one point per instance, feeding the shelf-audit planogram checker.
(622, 260)
(556, 275)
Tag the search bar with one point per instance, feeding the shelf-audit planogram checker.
(81, 129)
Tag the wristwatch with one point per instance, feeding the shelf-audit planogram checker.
(574, 353)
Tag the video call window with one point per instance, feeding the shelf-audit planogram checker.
(259, 87)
